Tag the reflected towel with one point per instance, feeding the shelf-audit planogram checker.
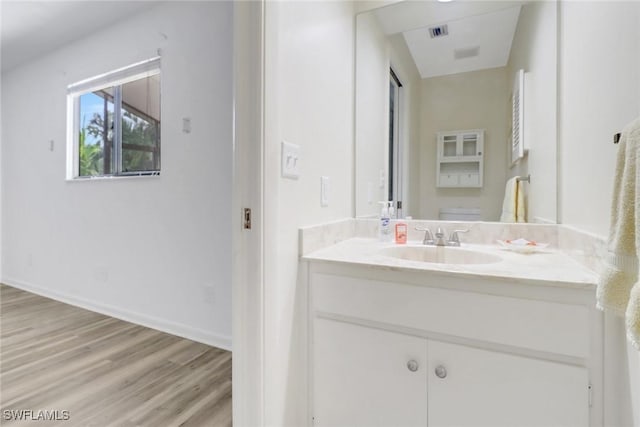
(513, 206)
(618, 288)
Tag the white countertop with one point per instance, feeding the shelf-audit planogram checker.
(548, 265)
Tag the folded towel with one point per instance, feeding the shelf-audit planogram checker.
(633, 317)
(521, 211)
(513, 206)
(618, 289)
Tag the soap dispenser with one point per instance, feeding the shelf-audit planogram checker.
(384, 228)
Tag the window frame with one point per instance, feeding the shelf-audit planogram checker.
(115, 80)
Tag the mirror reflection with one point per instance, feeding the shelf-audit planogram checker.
(454, 101)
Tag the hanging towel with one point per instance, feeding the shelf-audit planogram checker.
(618, 289)
(513, 206)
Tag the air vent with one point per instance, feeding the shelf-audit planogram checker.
(439, 31)
(467, 52)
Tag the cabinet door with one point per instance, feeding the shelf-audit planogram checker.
(449, 180)
(361, 377)
(470, 144)
(449, 145)
(485, 388)
(469, 180)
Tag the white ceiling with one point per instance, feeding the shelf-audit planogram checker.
(29, 29)
(488, 26)
(492, 33)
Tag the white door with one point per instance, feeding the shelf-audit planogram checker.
(485, 388)
(365, 377)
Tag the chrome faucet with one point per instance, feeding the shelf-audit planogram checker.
(428, 237)
(440, 237)
(440, 240)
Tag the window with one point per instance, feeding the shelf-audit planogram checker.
(115, 123)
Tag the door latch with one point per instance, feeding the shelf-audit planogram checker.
(247, 219)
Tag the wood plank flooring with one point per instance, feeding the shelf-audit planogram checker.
(105, 372)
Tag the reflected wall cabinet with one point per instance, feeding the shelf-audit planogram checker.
(460, 158)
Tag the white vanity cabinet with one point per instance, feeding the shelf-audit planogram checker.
(460, 158)
(368, 377)
(410, 349)
(491, 388)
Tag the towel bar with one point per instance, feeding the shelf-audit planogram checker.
(526, 179)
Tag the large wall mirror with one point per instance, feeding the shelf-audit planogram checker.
(434, 83)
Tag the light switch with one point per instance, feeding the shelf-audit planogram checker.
(324, 191)
(290, 160)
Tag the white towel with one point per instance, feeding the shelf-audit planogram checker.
(618, 288)
(513, 206)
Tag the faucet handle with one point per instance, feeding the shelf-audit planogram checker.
(454, 239)
(428, 237)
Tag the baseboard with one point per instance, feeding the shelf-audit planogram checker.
(174, 328)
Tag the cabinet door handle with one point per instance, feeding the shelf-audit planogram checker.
(412, 365)
(441, 372)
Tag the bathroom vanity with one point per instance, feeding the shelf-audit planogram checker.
(497, 339)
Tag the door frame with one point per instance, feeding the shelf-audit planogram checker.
(396, 148)
(248, 245)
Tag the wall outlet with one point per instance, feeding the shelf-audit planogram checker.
(101, 274)
(324, 191)
(186, 125)
(209, 294)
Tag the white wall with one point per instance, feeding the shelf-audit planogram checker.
(599, 93)
(309, 101)
(534, 49)
(153, 250)
(473, 100)
(599, 78)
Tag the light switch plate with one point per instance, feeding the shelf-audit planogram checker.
(324, 191)
(290, 160)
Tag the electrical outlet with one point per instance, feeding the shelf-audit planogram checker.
(186, 125)
(101, 274)
(209, 293)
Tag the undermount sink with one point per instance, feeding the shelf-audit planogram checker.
(440, 255)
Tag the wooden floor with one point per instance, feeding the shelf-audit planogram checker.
(104, 371)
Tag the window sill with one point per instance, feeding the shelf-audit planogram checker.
(112, 178)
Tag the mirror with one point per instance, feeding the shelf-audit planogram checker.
(435, 104)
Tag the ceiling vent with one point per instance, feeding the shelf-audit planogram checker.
(467, 52)
(439, 31)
